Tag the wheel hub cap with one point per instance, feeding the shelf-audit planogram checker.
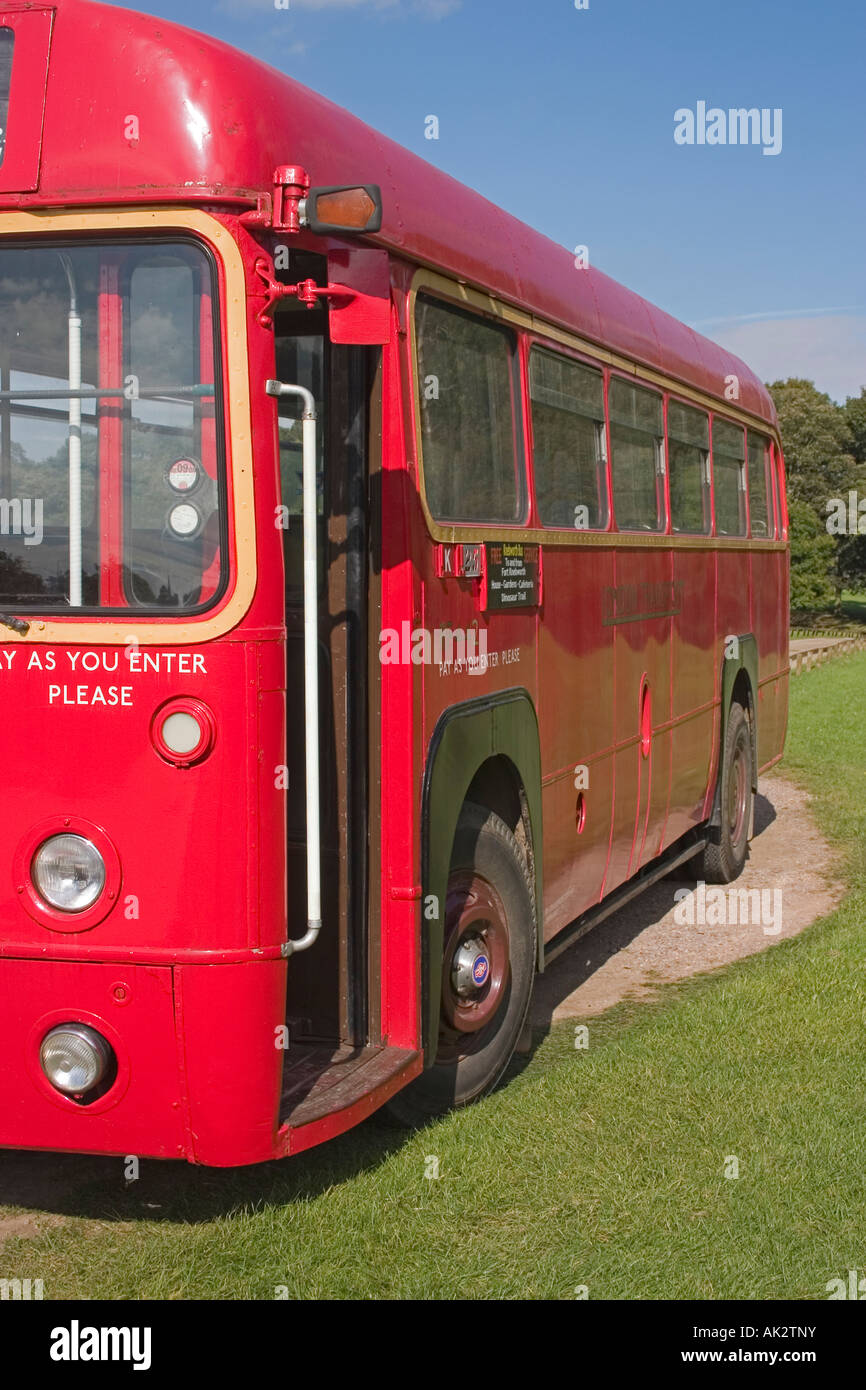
(470, 968)
(476, 971)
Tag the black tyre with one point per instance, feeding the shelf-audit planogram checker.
(488, 969)
(724, 857)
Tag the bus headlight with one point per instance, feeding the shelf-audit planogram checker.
(69, 872)
(75, 1058)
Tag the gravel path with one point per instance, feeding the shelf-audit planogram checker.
(643, 945)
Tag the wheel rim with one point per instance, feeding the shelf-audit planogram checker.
(476, 969)
(738, 792)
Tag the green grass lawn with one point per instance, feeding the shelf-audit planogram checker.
(854, 606)
(603, 1167)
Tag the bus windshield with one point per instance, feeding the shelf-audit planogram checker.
(111, 458)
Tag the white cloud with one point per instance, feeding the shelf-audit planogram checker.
(828, 348)
(777, 314)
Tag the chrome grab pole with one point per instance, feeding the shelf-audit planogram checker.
(311, 665)
(74, 372)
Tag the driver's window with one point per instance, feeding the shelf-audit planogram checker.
(171, 504)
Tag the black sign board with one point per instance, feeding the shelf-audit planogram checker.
(511, 579)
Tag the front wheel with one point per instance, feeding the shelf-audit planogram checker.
(488, 969)
(725, 855)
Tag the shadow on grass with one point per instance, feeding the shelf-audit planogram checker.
(94, 1187)
(577, 965)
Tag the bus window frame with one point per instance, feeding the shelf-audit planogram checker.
(518, 425)
(780, 483)
(538, 339)
(118, 563)
(677, 398)
(772, 518)
(215, 234)
(221, 451)
(443, 285)
(661, 453)
(745, 535)
(774, 491)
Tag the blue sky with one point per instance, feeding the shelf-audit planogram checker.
(566, 118)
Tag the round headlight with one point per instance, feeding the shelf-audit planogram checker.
(75, 1058)
(69, 872)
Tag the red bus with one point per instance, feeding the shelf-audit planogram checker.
(385, 598)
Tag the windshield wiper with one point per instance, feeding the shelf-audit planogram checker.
(17, 624)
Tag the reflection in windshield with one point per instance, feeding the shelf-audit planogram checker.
(108, 412)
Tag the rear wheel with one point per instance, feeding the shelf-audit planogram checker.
(487, 969)
(725, 855)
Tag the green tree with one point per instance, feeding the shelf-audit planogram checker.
(819, 445)
(855, 414)
(813, 554)
(825, 459)
(851, 550)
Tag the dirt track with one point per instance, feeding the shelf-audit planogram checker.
(642, 945)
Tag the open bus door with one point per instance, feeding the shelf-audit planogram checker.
(327, 989)
(336, 1055)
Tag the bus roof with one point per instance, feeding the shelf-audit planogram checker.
(212, 126)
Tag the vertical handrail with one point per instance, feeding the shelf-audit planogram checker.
(74, 373)
(311, 664)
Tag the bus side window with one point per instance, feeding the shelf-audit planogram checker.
(689, 468)
(468, 391)
(637, 456)
(777, 531)
(568, 442)
(779, 493)
(729, 478)
(760, 494)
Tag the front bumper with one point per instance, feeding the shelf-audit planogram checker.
(198, 1070)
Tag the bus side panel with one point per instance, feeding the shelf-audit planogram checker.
(642, 649)
(770, 628)
(576, 729)
(511, 645)
(733, 607)
(694, 663)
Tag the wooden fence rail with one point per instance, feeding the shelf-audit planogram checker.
(816, 656)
